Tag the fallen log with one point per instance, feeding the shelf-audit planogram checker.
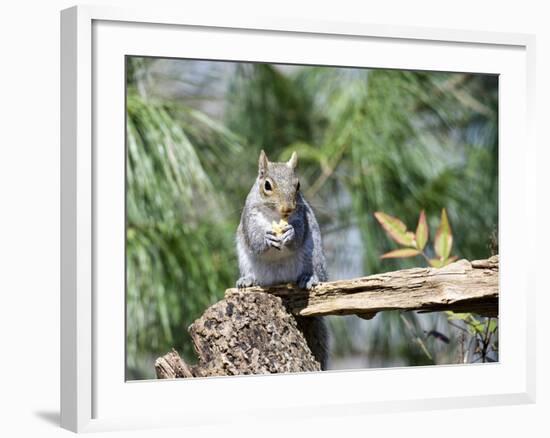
(462, 286)
(253, 331)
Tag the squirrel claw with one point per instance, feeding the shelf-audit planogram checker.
(246, 281)
(272, 241)
(288, 234)
(308, 281)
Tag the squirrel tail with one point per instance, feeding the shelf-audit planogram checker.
(316, 334)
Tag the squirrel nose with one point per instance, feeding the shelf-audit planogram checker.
(286, 209)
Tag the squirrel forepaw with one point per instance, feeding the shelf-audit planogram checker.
(308, 281)
(272, 240)
(246, 281)
(288, 234)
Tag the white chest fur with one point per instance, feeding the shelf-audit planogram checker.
(273, 266)
(277, 267)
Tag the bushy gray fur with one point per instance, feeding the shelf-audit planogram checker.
(294, 257)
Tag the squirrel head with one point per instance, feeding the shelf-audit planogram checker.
(278, 184)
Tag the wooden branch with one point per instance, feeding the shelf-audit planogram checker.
(462, 286)
(171, 365)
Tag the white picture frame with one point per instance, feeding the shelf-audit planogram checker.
(94, 395)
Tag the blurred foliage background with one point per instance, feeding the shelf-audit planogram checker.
(367, 140)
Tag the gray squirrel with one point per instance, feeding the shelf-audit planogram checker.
(293, 255)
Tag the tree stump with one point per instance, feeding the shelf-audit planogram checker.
(245, 333)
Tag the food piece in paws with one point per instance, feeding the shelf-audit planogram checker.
(279, 227)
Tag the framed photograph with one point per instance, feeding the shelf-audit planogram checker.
(258, 208)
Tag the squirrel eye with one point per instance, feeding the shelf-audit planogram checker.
(298, 186)
(267, 186)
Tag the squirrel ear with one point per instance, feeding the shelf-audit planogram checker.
(262, 163)
(293, 160)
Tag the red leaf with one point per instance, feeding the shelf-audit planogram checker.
(443, 237)
(422, 231)
(396, 229)
(400, 253)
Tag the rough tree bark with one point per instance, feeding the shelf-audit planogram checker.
(253, 331)
(246, 333)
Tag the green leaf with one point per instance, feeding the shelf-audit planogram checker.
(475, 324)
(396, 229)
(436, 263)
(493, 325)
(457, 316)
(400, 253)
(422, 231)
(448, 261)
(478, 327)
(443, 237)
